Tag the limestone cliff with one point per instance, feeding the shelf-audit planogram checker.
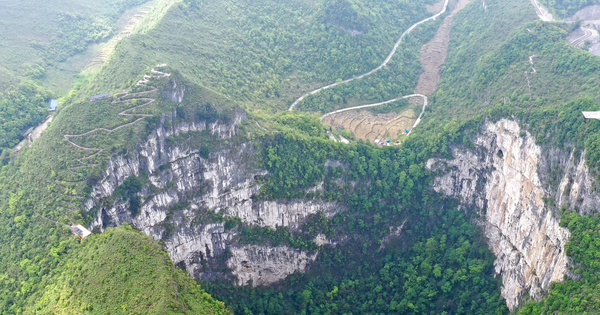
(506, 178)
(259, 264)
(182, 185)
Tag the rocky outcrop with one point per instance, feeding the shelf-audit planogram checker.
(577, 189)
(265, 265)
(182, 185)
(505, 179)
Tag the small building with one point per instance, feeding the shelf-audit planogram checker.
(100, 97)
(52, 105)
(80, 231)
(591, 115)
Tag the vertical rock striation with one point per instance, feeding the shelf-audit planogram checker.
(225, 182)
(505, 179)
(265, 265)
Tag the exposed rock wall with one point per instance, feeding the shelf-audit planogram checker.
(262, 264)
(506, 179)
(577, 188)
(225, 182)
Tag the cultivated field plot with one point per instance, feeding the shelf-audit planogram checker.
(366, 126)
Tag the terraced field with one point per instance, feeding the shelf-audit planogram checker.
(364, 125)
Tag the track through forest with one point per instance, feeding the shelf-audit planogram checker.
(383, 64)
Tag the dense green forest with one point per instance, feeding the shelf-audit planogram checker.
(121, 271)
(254, 59)
(21, 107)
(438, 256)
(75, 33)
(575, 296)
(277, 51)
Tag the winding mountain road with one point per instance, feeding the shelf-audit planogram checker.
(588, 33)
(139, 96)
(383, 64)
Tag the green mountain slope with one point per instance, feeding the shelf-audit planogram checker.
(566, 8)
(45, 33)
(43, 48)
(42, 187)
(537, 78)
(54, 174)
(261, 56)
(121, 271)
(267, 53)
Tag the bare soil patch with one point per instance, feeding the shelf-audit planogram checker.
(433, 54)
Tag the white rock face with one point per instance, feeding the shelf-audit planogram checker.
(292, 214)
(576, 186)
(502, 181)
(265, 265)
(224, 183)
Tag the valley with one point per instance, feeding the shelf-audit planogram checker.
(392, 127)
(307, 157)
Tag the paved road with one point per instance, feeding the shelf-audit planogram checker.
(35, 134)
(383, 64)
(588, 33)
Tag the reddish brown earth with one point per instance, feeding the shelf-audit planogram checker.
(433, 54)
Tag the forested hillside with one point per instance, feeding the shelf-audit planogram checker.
(119, 272)
(439, 266)
(205, 79)
(276, 51)
(43, 47)
(537, 78)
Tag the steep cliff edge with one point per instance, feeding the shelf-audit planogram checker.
(185, 188)
(507, 179)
